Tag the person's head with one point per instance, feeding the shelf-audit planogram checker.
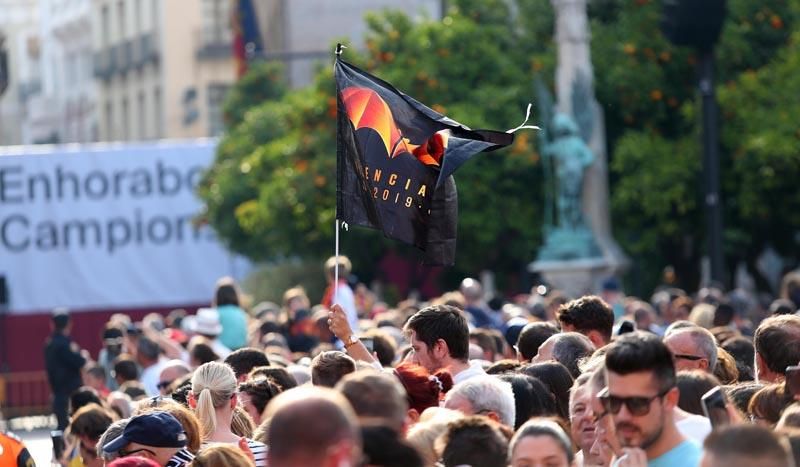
(213, 389)
(766, 405)
(438, 335)
(540, 442)
(693, 348)
(692, 384)
(242, 424)
(383, 346)
(87, 425)
(567, 348)
(147, 352)
(113, 432)
(340, 263)
(170, 372)
(532, 337)
(531, 398)
(782, 306)
(640, 389)
(183, 414)
(790, 418)
(95, 377)
(558, 381)
(590, 316)
(726, 370)
(312, 425)
(329, 367)
(201, 353)
(254, 394)
(82, 396)
(471, 290)
(221, 455)
(776, 347)
(423, 390)
(61, 320)
(484, 395)
(742, 350)
(226, 292)
(244, 360)
(277, 374)
(377, 398)
(383, 447)
(485, 339)
(424, 434)
(473, 441)
(156, 436)
(740, 394)
(125, 369)
(581, 414)
(790, 287)
(744, 446)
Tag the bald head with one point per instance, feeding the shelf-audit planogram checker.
(312, 426)
(172, 370)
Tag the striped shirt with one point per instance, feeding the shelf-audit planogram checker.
(180, 459)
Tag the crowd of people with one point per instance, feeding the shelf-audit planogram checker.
(543, 380)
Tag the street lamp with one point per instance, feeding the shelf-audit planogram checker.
(697, 24)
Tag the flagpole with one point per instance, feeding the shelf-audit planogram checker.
(338, 53)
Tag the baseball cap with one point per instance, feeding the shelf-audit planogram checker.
(156, 429)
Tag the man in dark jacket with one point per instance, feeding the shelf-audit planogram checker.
(64, 361)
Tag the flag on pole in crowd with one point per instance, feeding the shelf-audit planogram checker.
(246, 36)
(395, 160)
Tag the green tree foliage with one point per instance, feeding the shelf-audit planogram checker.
(270, 193)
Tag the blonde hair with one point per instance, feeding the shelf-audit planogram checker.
(213, 386)
(242, 423)
(221, 455)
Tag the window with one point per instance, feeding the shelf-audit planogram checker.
(216, 22)
(216, 96)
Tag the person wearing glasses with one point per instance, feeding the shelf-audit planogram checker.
(157, 436)
(641, 396)
(693, 348)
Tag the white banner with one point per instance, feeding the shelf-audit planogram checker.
(107, 226)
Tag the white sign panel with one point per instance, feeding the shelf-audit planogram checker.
(107, 226)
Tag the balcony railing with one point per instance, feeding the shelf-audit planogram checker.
(214, 43)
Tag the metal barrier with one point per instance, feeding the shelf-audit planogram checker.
(24, 394)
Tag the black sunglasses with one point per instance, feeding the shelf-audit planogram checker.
(637, 406)
(693, 358)
(163, 384)
(130, 453)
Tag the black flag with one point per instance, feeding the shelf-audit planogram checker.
(395, 160)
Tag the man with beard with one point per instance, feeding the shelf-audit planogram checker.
(641, 396)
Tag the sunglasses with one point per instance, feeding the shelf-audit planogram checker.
(130, 453)
(693, 358)
(163, 385)
(637, 406)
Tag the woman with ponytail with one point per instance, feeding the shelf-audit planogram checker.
(423, 389)
(214, 399)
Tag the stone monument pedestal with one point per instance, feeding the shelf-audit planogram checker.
(575, 277)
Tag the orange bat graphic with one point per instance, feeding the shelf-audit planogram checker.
(366, 109)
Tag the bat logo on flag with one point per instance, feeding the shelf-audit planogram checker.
(366, 109)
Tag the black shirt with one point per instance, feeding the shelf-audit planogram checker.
(63, 364)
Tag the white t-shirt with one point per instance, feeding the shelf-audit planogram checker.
(694, 427)
(475, 369)
(343, 295)
(149, 377)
